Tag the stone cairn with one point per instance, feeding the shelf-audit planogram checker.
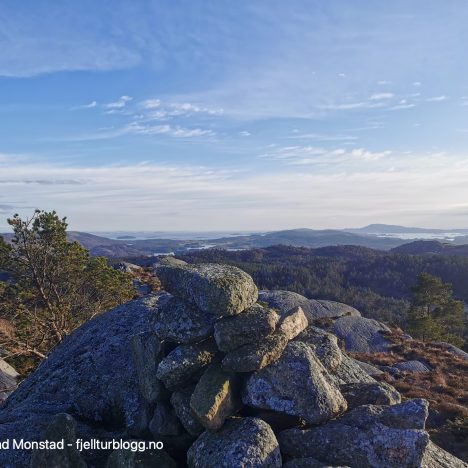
(248, 386)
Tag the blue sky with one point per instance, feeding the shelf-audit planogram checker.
(252, 115)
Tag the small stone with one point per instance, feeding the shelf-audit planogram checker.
(164, 422)
(256, 356)
(183, 362)
(216, 397)
(378, 393)
(250, 326)
(242, 442)
(180, 401)
(62, 426)
(293, 322)
(182, 322)
(296, 384)
(221, 290)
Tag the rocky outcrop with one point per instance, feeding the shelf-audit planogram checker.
(213, 380)
(361, 335)
(412, 366)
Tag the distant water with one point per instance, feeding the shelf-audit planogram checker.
(448, 236)
(173, 235)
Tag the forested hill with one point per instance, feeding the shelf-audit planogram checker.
(376, 282)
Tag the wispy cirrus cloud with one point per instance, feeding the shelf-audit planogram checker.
(437, 98)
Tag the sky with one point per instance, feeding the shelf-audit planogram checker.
(176, 115)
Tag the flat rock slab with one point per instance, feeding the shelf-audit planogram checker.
(412, 367)
(221, 290)
(378, 393)
(252, 325)
(361, 335)
(256, 356)
(296, 384)
(242, 442)
(313, 309)
(216, 397)
(183, 362)
(179, 321)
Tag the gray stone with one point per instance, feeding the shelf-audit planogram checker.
(183, 362)
(182, 322)
(292, 322)
(361, 335)
(61, 427)
(325, 346)
(147, 352)
(308, 463)
(216, 397)
(453, 349)
(8, 380)
(297, 384)
(135, 459)
(256, 356)
(252, 325)
(313, 309)
(221, 290)
(164, 422)
(435, 457)
(241, 443)
(350, 372)
(378, 393)
(412, 367)
(368, 368)
(180, 401)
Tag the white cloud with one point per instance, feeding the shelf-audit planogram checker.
(384, 82)
(90, 105)
(119, 104)
(437, 99)
(151, 103)
(380, 96)
(417, 83)
(244, 133)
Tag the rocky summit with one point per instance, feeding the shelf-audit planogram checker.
(220, 380)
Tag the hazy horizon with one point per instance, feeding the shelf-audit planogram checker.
(256, 116)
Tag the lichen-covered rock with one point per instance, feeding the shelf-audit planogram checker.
(61, 427)
(412, 367)
(368, 368)
(435, 457)
(378, 393)
(180, 401)
(136, 459)
(293, 322)
(313, 309)
(164, 422)
(182, 322)
(183, 362)
(325, 346)
(241, 443)
(296, 384)
(147, 352)
(368, 436)
(216, 397)
(256, 356)
(361, 335)
(251, 326)
(350, 372)
(217, 289)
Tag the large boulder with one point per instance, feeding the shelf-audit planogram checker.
(350, 371)
(180, 401)
(313, 309)
(182, 322)
(242, 442)
(361, 335)
(378, 393)
(220, 290)
(293, 322)
(412, 367)
(254, 324)
(93, 375)
(297, 384)
(183, 362)
(388, 440)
